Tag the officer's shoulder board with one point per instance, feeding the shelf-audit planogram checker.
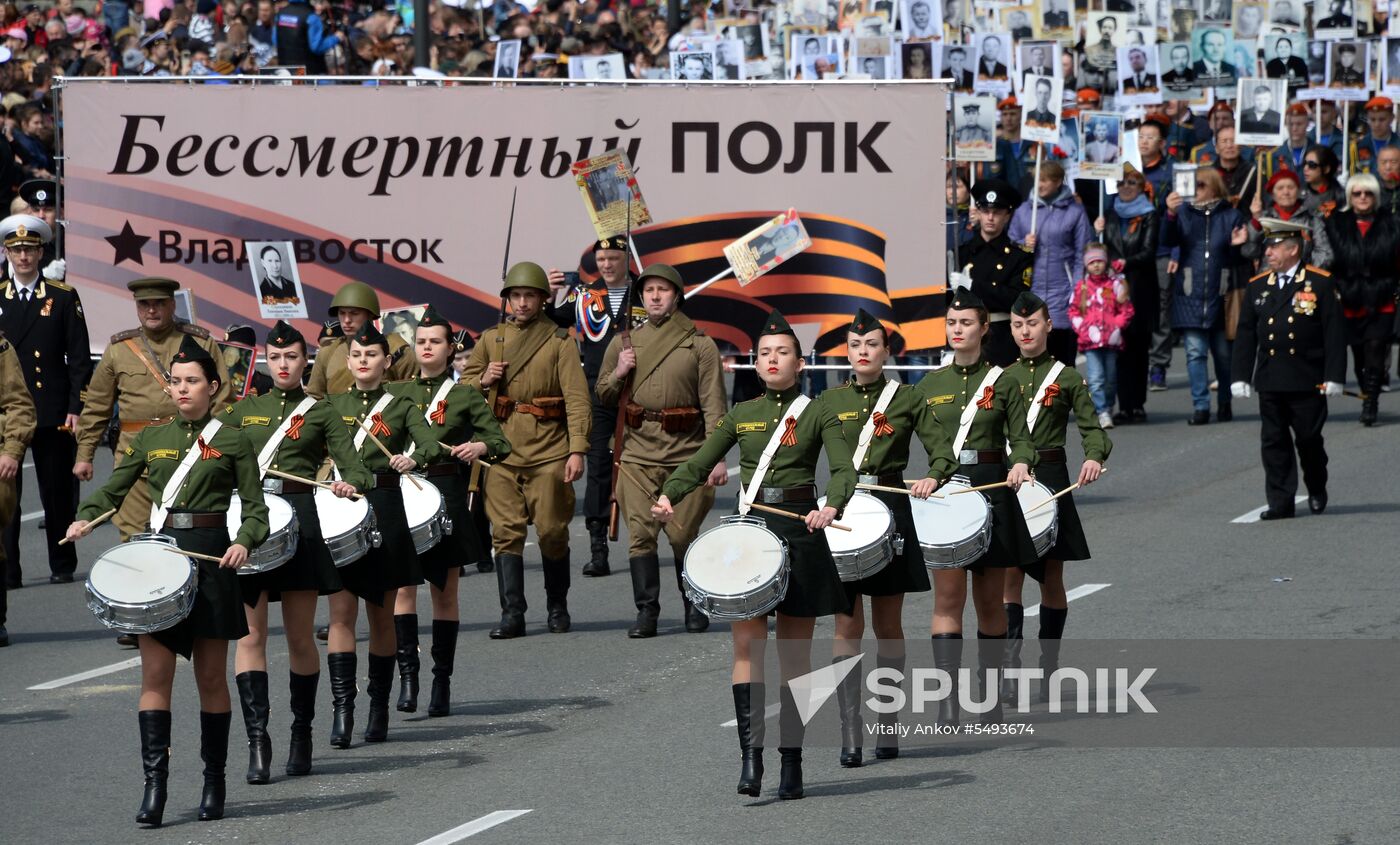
(1317, 271)
(193, 330)
(561, 332)
(58, 285)
(126, 335)
(1263, 275)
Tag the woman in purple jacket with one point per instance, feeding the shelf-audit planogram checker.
(1061, 232)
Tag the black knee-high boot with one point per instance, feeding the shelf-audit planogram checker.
(342, 669)
(748, 714)
(887, 745)
(556, 592)
(381, 678)
(303, 707)
(1015, 622)
(947, 655)
(646, 594)
(852, 725)
(695, 621)
(444, 653)
(790, 734)
(155, 762)
(406, 634)
(213, 750)
(252, 695)
(991, 648)
(510, 580)
(1052, 627)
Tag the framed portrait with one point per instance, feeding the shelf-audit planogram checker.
(767, 246)
(693, 66)
(729, 59)
(272, 268)
(1019, 21)
(921, 20)
(240, 360)
(1283, 59)
(402, 321)
(1259, 107)
(1347, 64)
(1248, 19)
(993, 62)
(1036, 58)
(605, 182)
(1390, 67)
(1289, 13)
(1217, 12)
(1055, 19)
(974, 127)
(1334, 20)
(1101, 149)
(1184, 180)
(919, 59)
(185, 307)
(507, 64)
(1139, 81)
(1211, 48)
(957, 66)
(1040, 110)
(1178, 79)
(605, 67)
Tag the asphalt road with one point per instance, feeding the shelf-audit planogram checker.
(604, 739)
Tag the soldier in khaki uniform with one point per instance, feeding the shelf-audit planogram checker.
(17, 416)
(354, 305)
(669, 374)
(133, 376)
(530, 371)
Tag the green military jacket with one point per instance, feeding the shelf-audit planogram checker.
(460, 417)
(306, 445)
(1070, 393)
(229, 464)
(947, 391)
(401, 417)
(751, 424)
(907, 414)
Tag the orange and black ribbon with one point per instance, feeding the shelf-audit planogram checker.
(1051, 391)
(294, 428)
(789, 437)
(206, 451)
(988, 395)
(379, 427)
(882, 425)
(439, 414)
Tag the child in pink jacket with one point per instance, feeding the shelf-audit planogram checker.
(1099, 312)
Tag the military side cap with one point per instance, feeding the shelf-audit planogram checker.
(1025, 305)
(526, 274)
(462, 339)
(964, 298)
(995, 193)
(152, 288)
(1278, 231)
(777, 324)
(355, 295)
(190, 352)
(617, 242)
(39, 193)
(240, 334)
(864, 323)
(431, 318)
(368, 335)
(330, 329)
(665, 272)
(283, 335)
(24, 230)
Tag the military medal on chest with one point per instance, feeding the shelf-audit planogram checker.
(1305, 301)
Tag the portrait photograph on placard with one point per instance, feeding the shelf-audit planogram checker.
(918, 60)
(1184, 180)
(958, 67)
(1211, 49)
(604, 182)
(507, 64)
(1283, 59)
(1178, 78)
(921, 20)
(1259, 107)
(1216, 12)
(605, 67)
(1390, 67)
(1104, 33)
(1333, 20)
(993, 62)
(974, 127)
(871, 67)
(185, 309)
(272, 266)
(1289, 13)
(1182, 23)
(1036, 58)
(956, 15)
(1054, 19)
(1040, 111)
(1019, 21)
(729, 59)
(240, 360)
(1139, 82)
(1069, 145)
(1142, 13)
(1248, 19)
(1101, 150)
(693, 66)
(401, 321)
(1347, 62)
(767, 246)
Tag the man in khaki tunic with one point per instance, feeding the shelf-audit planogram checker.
(670, 387)
(355, 304)
(530, 372)
(17, 422)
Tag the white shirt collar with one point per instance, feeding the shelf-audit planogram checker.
(1290, 274)
(20, 286)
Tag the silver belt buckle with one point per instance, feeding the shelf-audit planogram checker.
(272, 485)
(179, 520)
(967, 456)
(868, 479)
(772, 495)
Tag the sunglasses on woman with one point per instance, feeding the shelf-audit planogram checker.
(1311, 164)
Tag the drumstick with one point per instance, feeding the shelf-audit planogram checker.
(322, 484)
(91, 525)
(389, 455)
(779, 512)
(175, 551)
(1061, 493)
(882, 488)
(976, 489)
(645, 488)
(450, 447)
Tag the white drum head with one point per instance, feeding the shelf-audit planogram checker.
(138, 572)
(420, 505)
(950, 520)
(734, 559)
(869, 519)
(1029, 496)
(279, 514)
(339, 515)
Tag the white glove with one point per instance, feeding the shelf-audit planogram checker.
(1241, 390)
(959, 280)
(57, 269)
(1331, 388)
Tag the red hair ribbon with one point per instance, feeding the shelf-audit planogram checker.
(789, 437)
(1051, 391)
(985, 403)
(206, 451)
(294, 428)
(379, 428)
(439, 414)
(882, 425)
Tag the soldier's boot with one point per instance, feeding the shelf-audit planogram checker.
(510, 579)
(556, 593)
(646, 594)
(597, 565)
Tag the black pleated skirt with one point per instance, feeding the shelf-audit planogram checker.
(814, 586)
(463, 545)
(218, 602)
(394, 563)
(907, 572)
(311, 568)
(1070, 543)
(1011, 542)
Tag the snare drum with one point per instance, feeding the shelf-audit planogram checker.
(426, 512)
(870, 544)
(736, 570)
(1044, 523)
(283, 533)
(953, 531)
(347, 525)
(139, 588)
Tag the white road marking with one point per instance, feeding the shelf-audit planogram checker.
(30, 517)
(475, 826)
(91, 673)
(1077, 593)
(1253, 516)
(769, 712)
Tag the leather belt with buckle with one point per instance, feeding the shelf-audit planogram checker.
(779, 495)
(1051, 456)
(195, 520)
(889, 479)
(284, 486)
(981, 456)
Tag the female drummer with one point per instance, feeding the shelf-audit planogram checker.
(884, 415)
(378, 422)
(293, 434)
(212, 465)
(982, 410)
(1057, 397)
(793, 439)
(455, 415)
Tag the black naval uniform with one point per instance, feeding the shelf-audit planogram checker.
(1290, 340)
(1000, 270)
(50, 337)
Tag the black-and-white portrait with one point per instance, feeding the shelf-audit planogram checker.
(993, 60)
(605, 67)
(1018, 22)
(974, 127)
(1390, 66)
(1346, 68)
(605, 186)
(729, 59)
(918, 60)
(873, 67)
(1178, 78)
(1040, 111)
(957, 67)
(507, 59)
(1139, 83)
(1259, 112)
(276, 281)
(1216, 11)
(921, 19)
(1283, 59)
(1286, 13)
(1249, 19)
(1333, 19)
(755, 40)
(693, 66)
(1037, 58)
(1056, 18)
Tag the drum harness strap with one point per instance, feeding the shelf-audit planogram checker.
(361, 432)
(965, 423)
(172, 487)
(440, 396)
(269, 449)
(867, 434)
(766, 459)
